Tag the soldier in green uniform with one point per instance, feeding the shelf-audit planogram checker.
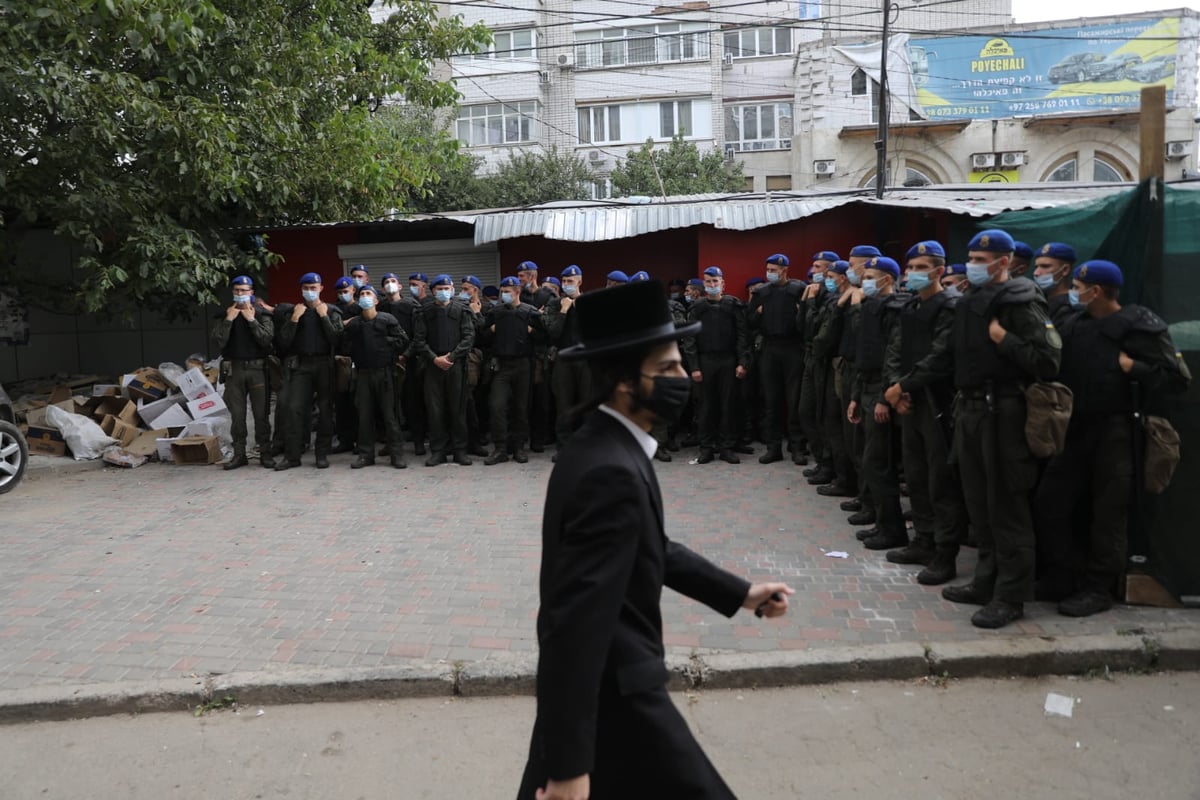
(309, 337)
(919, 369)
(1119, 361)
(374, 339)
(1003, 340)
(345, 417)
(842, 479)
(1053, 266)
(445, 336)
(775, 313)
(812, 303)
(510, 326)
(245, 338)
(571, 379)
(879, 315)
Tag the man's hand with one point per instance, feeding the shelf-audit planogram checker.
(565, 304)
(856, 297)
(740, 372)
(697, 376)
(321, 308)
(893, 393)
(574, 789)
(904, 407)
(232, 312)
(475, 306)
(443, 363)
(883, 413)
(811, 290)
(248, 313)
(852, 413)
(768, 599)
(298, 312)
(996, 331)
(1125, 361)
(266, 308)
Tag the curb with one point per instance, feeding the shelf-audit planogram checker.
(1177, 650)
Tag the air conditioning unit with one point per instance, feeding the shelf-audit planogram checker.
(727, 61)
(566, 60)
(1178, 150)
(983, 161)
(1012, 159)
(595, 155)
(729, 151)
(825, 167)
(543, 77)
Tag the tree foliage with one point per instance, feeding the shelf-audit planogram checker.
(678, 168)
(144, 130)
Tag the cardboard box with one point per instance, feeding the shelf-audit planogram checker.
(118, 407)
(60, 394)
(207, 406)
(174, 417)
(47, 441)
(196, 450)
(36, 417)
(147, 384)
(149, 412)
(194, 384)
(146, 442)
(106, 390)
(123, 432)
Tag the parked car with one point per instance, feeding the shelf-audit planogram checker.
(14, 451)
(1114, 68)
(1153, 69)
(1075, 68)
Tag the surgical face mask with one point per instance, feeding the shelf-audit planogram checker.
(1044, 282)
(242, 299)
(366, 301)
(712, 291)
(415, 291)
(854, 278)
(571, 291)
(831, 285)
(506, 298)
(346, 297)
(674, 295)
(668, 398)
(465, 296)
(359, 283)
(310, 295)
(443, 295)
(1073, 296)
(918, 281)
(978, 275)
(391, 287)
(817, 277)
(772, 277)
(870, 287)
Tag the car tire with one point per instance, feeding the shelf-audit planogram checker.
(14, 456)
(1081, 77)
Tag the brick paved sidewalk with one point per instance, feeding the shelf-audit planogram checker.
(110, 575)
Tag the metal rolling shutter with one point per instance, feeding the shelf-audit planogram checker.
(458, 257)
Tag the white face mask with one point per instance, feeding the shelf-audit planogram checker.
(391, 287)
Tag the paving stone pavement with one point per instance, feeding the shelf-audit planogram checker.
(111, 575)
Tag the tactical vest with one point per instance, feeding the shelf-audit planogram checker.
(512, 331)
(242, 345)
(976, 357)
(1090, 358)
(848, 345)
(719, 332)
(443, 327)
(918, 320)
(570, 330)
(403, 311)
(877, 319)
(813, 310)
(779, 306)
(310, 338)
(369, 345)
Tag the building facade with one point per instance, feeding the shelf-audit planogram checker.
(790, 89)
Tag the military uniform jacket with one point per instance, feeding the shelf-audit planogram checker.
(724, 330)
(405, 310)
(879, 318)
(828, 334)
(776, 312)
(562, 328)
(375, 343)
(605, 560)
(240, 339)
(511, 329)
(313, 335)
(448, 329)
(1029, 351)
(920, 354)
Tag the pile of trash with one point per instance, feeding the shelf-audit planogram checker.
(164, 413)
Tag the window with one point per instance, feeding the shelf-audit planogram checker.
(599, 124)
(1106, 172)
(507, 45)
(779, 183)
(1063, 172)
(751, 42)
(497, 123)
(601, 188)
(645, 44)
(810, 10)
(912, 177)
(858, 83)
(759, 127)
(675, 118)
(1103, 171)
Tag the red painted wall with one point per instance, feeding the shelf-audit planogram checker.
(306, 250)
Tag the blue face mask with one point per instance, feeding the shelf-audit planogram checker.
(772, 277)
(309, 295)
(918, 281)
(571, 291)
(443, 295)
(870, 288)
(506, 298)
(465, 296)
(415, 291)
(242, 299)
(346, 297)
(817, 277)
(977, 274)
(1044, 282)
(831, 285)
(359, 283)
(366, 301)
(712, 291)
(854, 278)
(1073, 296)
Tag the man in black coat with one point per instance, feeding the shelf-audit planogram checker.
(606, 727)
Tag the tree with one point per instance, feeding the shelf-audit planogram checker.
(144, 130)
(541, 177)
(677, 169)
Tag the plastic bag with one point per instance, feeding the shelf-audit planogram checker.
(171, 371)
(85, 438)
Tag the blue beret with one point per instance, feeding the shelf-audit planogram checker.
(1023, 250)
(617, 275)
(419, 276)
(360, 268)
(1103, 273)
(714, 272)
(554, 280)
(509, 281)
(926, 248)
(885, 264)
(471, 279)
(527, 265)
(339, 284)
(956, 269)
(755, 281)
(572, 272)
(779, 260)
(242, 280)
(442, 280)
(992, 241)
(392, 276)
(865, 251)
(491, 291)
(310, 277)
(639, 276)
(825, 255)
(696, 282)
(366, 287)
(1063, 252)
(840, 266)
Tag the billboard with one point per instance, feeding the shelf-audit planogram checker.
(1052, 71)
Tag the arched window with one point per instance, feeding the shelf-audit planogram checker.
(1104, 170)
(912, 177)
(858, 83)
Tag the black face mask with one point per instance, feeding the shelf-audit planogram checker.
(669, 397)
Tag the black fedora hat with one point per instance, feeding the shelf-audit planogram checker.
(624, 317)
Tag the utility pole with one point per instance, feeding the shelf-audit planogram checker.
(881, 139)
